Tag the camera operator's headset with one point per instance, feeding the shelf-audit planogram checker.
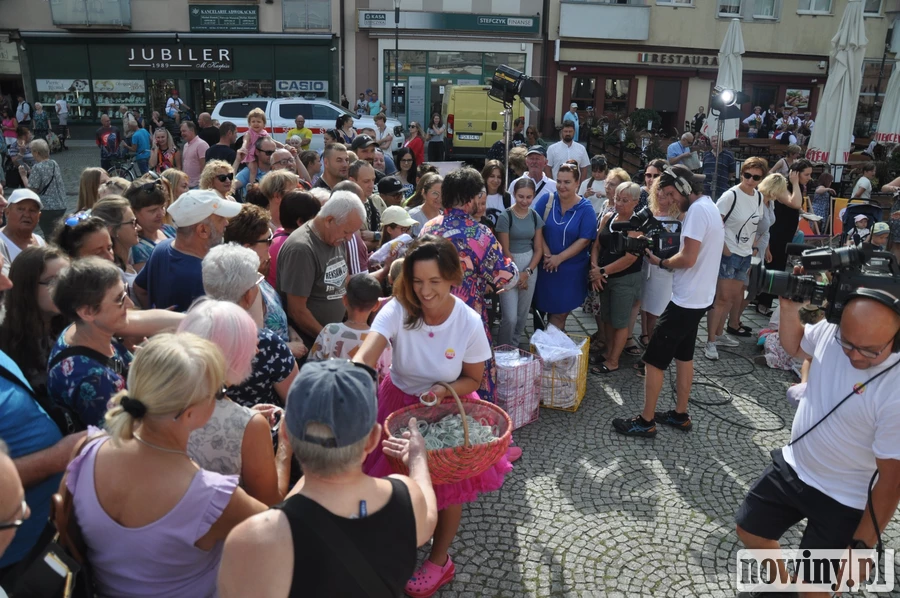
(681, 184)
(894, 304)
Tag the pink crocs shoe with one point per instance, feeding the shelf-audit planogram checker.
(430, 578)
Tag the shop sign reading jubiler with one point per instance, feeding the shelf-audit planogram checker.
(177, 58)
(679, 59)
(448, 21)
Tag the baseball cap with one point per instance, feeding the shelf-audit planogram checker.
(396, 215)
(335, 393)
(390, 185)
(573, 105)
(23, 194)
(879, 229)
(536, 149)
(856, 218)
(197, 205)
(362, 141)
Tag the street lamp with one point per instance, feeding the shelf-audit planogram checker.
(396, 56)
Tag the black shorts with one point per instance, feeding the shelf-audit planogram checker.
(779, 499)
(674, 336)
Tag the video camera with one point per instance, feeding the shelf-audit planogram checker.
(850, 268)
(663, 239)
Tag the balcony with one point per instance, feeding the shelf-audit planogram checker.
(77, 14)
(604, 20)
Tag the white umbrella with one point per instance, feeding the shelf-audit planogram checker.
(888, 130)
(731, 75)
(830, 139)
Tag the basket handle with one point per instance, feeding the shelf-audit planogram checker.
(459, 405)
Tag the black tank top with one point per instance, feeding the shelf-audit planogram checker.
(607, 256)
(385, 538)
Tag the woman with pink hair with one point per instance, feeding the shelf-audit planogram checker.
(237, 440)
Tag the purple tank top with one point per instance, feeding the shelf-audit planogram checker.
(158, 559)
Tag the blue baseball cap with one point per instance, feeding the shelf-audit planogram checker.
(335, 393)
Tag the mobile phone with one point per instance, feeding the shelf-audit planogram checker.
(376, 236)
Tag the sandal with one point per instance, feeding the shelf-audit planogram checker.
(633, 350)
(429, 578)
(596, 358)
(640, 369)
(602, 369)
(742, 331)
(643, 343)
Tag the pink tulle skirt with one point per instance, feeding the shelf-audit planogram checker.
(390, 399)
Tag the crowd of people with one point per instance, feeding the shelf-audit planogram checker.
(228, 334)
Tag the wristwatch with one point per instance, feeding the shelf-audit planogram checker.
(529, 271)
(661, 266)
(603, 272)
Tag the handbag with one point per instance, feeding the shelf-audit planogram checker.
(58, 566)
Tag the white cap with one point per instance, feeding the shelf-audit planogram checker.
(23, 194)
(573, 105)
(859, 217)
(197, 205)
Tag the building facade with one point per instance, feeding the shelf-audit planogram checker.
(620, 55)
(441, 43)
(105, 53)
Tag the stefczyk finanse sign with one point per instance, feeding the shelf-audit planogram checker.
(177, 58)
(448, 21)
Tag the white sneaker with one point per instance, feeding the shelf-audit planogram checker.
(727, 341)
(711, 351)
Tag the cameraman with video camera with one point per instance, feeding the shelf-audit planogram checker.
(824, 473)
(696, 268)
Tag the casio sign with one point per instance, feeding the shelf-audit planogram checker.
(301, 86)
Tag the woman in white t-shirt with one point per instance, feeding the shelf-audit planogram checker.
(593, 188)
(435, 337)
(863, 187)
(498, 200)
(741, 208)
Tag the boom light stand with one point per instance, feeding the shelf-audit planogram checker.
(725, 105)
(507, 84)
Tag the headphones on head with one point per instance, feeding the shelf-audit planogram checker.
(883, 298)
(681, 184)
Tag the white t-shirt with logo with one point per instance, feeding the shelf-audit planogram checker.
(740, 228)
(429, 354)
(695, 287)
(838, 457)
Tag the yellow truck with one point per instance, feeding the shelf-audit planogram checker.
(474, 120)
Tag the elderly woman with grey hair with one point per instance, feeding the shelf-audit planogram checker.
(230, 273)
(46, 180)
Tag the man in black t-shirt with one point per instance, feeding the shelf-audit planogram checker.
(222, 149)
(208, 132)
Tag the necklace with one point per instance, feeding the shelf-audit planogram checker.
(441, 318)
(160, 448)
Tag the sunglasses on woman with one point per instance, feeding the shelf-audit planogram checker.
(226, 177)
(755, 177)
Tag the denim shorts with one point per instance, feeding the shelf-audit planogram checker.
(735, 267)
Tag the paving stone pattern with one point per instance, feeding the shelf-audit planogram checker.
(589, 513)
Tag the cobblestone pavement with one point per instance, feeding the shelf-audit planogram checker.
(588, 513)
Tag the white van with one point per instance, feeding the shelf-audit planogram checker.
(320, 116)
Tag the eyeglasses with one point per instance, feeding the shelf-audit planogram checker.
(267, 241)
(267, 152)
(78, 217)
(225, 177)
(120, 301)
(133, 222)
(406, 161)
(755, 177)
(16, 522)
(849, 347)
(151, 186)
(218, 397)
(283, 162)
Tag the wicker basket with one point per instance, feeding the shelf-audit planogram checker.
(564, 382)
(518, 384)
(452, 465)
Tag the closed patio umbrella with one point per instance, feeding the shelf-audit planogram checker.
(731, 75)
(830, 139)
(888, 130)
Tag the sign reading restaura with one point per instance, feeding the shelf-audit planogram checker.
(384, 19)
(162, 58)
(219, 17)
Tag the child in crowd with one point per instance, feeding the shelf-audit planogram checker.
(256, 120)
(861, 233)
(341, 340)
(880, 233)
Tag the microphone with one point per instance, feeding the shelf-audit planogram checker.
(622, 227)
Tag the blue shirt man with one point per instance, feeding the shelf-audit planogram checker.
(572, 115)
(171, 278)
(141, 140)
(681, 149)
(26, 429)
(726, 168)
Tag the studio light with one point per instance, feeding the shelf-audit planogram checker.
(508, 83)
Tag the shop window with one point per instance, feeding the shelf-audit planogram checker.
(412, 62)
(494, 59)
(455, 63)
(819, 7)
(246, 88)
(615, 97)
(582, 92)
(307, 14)
(873, 8)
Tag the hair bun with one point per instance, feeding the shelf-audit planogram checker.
(133, 407)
